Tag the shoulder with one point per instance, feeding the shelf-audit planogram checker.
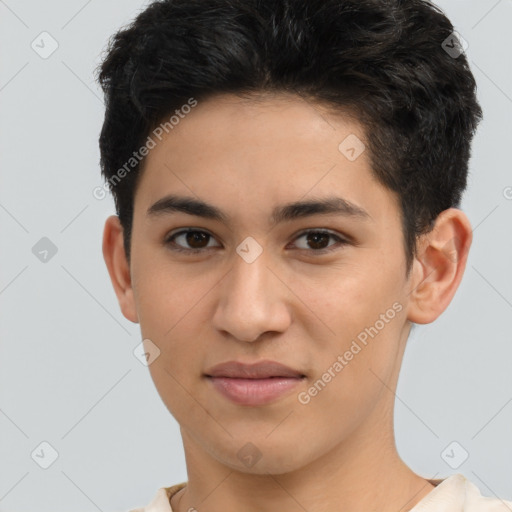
(161, 501)
(458, 494)
(475, 502)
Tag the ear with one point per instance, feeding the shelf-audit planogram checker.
(439, 266)
(118, 267)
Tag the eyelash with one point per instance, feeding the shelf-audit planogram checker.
(170, 241)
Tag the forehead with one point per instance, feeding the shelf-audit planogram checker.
(274, 122)
(270, 150)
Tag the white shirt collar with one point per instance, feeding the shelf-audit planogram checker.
(453, 494)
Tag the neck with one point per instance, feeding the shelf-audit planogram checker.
(361, 473)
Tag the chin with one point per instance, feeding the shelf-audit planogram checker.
(266, 467)
(261, 460)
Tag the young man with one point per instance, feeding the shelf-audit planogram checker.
(287, 177)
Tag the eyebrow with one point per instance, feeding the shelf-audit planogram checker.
(287, 212)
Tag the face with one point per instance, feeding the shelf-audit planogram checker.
(322, 291)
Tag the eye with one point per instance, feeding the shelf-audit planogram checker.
(318, 238)
(196, 238)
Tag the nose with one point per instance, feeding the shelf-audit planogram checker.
(253, 300)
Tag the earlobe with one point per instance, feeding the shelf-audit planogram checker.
(439, 266)
(118, 267)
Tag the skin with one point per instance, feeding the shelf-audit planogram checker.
(291, 305)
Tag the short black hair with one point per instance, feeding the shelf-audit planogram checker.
(386, 61)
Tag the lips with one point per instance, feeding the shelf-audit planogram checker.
(260, 370)
(257, 384)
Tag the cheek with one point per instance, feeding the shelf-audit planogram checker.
(171, 315)
(351, 376)
(175, 322)
(364, 313)
(352, 298)
(163, 296)
(177, 331)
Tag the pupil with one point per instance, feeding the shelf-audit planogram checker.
(313, 238)
(193, 236)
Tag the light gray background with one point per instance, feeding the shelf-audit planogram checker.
(68, 375)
